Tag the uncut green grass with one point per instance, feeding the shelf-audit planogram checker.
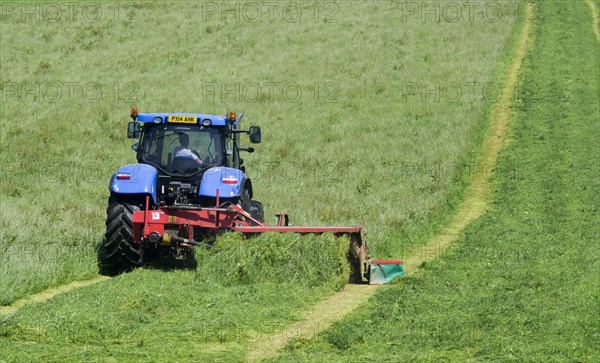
(349, 150)
(522, 282)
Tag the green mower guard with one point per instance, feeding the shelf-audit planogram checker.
(384, 271)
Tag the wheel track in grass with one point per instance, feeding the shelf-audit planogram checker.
(335, 307)
(49, 294)
(595, 20)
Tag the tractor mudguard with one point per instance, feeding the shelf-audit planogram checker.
(228, 181)
(135, 179)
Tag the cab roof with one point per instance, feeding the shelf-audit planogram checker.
(185, 118)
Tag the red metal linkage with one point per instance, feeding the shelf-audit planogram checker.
(322, 229)
(214, 218)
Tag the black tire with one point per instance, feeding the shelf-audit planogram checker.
(118, 253)
(245, 200)
(257, 211)
(190, 260)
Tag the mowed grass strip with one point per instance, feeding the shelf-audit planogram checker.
(244, 291)
(522, 284)
(364, 140)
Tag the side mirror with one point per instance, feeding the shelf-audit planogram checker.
(133, 130)
(254, 133)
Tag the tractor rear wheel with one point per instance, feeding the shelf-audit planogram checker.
(118, 252)
(257, 211)
(245, 200)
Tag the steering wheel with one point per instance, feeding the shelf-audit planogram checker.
(197, 154)
(208, 159)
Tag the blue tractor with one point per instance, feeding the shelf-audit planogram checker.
(188, 166)
(189, 185)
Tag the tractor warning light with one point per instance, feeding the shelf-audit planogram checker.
(134, 112)
(231, 116)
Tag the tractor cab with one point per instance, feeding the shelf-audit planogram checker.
(184, 151)
(187, 159)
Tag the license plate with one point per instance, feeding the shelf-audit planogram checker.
(183, 119)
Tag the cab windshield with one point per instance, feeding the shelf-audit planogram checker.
(182, 149)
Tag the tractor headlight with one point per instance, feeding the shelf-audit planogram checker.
(206, 122)
(157, 120)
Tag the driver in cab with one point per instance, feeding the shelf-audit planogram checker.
(184, 152)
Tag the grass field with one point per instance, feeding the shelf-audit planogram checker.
(359, 142)
(521, 285)
(363, 122)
